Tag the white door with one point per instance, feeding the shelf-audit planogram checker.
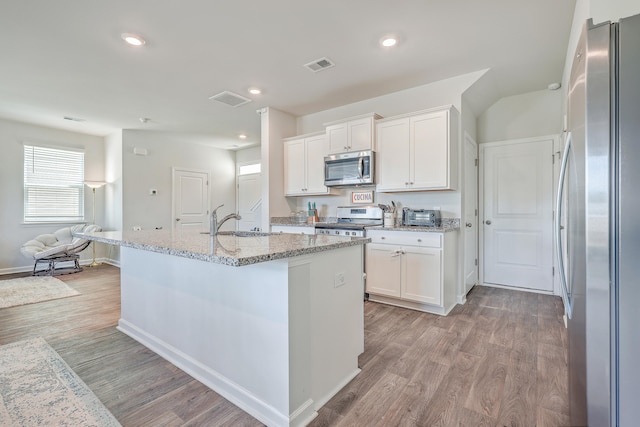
(249, 201)
(470, 216)
(518, 213)
(190, 200)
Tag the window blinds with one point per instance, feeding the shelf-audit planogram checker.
(53, 184)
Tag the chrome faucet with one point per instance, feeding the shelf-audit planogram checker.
(214, 226)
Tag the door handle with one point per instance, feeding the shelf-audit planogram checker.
(558, 231)
(488, 222)
(177, 219)
(469, 225)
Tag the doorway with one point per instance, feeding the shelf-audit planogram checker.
(517, 213)
(249, 196)
(190, 200)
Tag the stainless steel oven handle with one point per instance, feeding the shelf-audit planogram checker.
(558, 227)
(361, 167)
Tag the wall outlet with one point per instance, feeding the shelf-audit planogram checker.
(338, 280)
(137, 228)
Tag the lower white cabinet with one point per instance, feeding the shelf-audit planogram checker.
(412, 269)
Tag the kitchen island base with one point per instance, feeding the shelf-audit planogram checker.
(278, 338)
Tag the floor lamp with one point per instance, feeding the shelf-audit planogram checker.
(93, 185)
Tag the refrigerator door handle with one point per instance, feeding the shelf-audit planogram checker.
(559, 227)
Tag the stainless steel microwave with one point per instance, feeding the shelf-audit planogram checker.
(347, 169)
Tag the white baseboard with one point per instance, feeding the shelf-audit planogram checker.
(231, 391)
(83, 262)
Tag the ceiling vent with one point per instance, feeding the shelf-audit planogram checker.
(229, 98)
(320, 64)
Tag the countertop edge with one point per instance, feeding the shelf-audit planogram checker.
(225, 260)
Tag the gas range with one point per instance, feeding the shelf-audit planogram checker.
(352, 221)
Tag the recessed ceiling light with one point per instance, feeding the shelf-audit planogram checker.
(242, 136)
(254, 91)
(388, 40)
(133, 39)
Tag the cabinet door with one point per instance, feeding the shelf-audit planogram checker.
(360, 134)
(393, 158)
(430, 151)
(317, 148)
(422, 275)
(338, 137)
(383, 264)
(294, 164)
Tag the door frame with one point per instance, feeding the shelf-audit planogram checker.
(481, 157)
(175, 169)
(462, 293)
(238, 166)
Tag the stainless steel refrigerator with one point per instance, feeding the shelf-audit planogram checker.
(598, 225)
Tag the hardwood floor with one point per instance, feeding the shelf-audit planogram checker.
(499, 360)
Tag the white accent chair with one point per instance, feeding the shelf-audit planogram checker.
(61, 246)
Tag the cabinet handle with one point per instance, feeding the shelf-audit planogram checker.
(406, 183)
(396, 253)
(488, 222)
(382, 238)
(469, 225)
(411, 183)
(345, 147)
(419, 240)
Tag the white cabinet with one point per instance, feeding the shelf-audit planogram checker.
(354, 134)
(418, 151)
(304, 165)
(409, 269)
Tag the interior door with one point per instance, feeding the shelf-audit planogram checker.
(518, 214)
(249, 201)
(470, 213)
(190, 200)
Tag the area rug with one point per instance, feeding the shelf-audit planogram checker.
(27, 290)
(37, 388)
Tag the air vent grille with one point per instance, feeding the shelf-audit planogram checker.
(229, 98)
(320, 64)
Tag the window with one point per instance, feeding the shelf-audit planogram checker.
(249, 169)
(53, 184)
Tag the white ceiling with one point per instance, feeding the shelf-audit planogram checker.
(66, 58)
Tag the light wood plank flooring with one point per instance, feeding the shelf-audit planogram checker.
(499, 360)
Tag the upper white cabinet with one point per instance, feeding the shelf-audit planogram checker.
(418, 151)
(304, 165)
(354, 134)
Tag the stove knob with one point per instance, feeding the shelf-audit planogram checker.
(353, 233)
(337, 232)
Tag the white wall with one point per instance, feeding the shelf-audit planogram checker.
(113, 190)
(443, 92)
(13, 233)
(166, 150)
(274, 126)
(252, 154)
(522, 116)
(612, 10)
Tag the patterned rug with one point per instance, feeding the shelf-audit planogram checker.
(27, 290)
(37, 388)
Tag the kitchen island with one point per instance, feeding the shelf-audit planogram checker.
(272, 322)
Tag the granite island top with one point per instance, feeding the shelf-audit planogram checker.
(228, 249)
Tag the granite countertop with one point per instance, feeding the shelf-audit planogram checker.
(447, 225)
(288, 222)
(224, 248)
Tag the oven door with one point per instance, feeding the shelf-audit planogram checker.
(349, 169)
